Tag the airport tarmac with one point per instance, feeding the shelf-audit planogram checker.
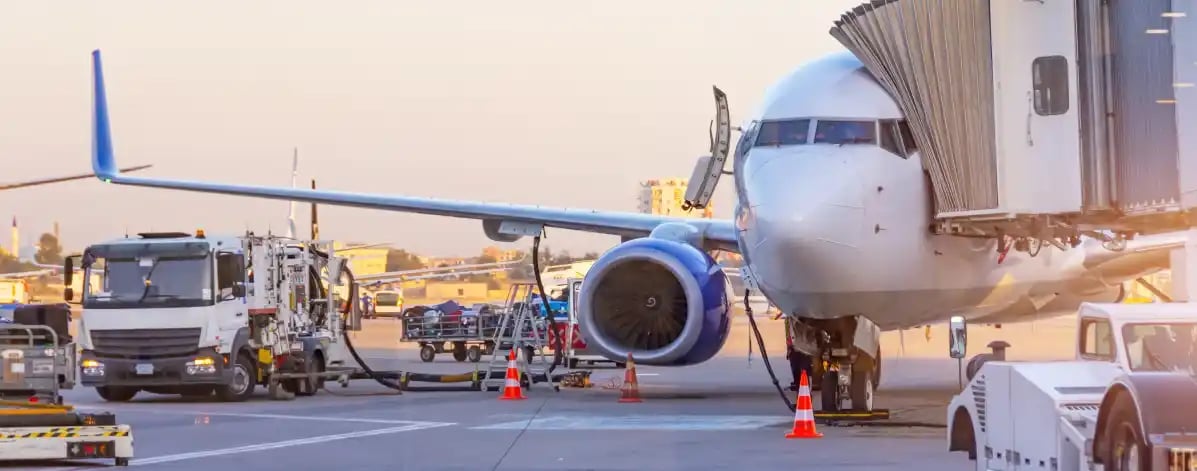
(723, 414)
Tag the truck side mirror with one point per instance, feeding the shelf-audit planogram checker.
(68, 277)
(958, 338)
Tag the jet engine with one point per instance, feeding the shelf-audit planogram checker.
(663, 301)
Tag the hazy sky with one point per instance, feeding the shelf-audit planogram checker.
(544, 102)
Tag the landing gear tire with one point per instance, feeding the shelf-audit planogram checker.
(860, 390)
(242, 385)
(116, 393)
(1127, 450)
(877, 368)
(829, 397)
(474, 354)
(427, 353)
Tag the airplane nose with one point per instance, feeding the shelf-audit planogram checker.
(807, 211)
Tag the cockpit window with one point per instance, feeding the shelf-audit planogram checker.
(845, 132)
(782, 133)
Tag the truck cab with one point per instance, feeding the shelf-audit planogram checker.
(165, 313)
(1121, 400)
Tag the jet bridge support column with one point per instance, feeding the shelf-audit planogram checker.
(1184, 269)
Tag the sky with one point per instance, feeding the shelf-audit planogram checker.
(565, 104)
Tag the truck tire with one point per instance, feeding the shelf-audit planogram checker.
(116, 393)
(309, 387)
(459, 351)
(1126, 448)
(474, 354)
(244, 379)
(427, 353)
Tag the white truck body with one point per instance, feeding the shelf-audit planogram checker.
(176, 313)
(1058, 415)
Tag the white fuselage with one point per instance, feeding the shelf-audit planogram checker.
(831, 230)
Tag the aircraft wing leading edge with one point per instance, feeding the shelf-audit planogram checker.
(717, 233)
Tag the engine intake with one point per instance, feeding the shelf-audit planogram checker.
(665, 302)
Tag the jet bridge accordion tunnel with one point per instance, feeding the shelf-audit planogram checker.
(1043, 119)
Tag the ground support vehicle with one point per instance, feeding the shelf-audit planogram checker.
(37, 354)
(450, 327)
(38, 361)
(176, 313)
(1124, 403)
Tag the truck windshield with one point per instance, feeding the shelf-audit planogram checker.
(149, 277)
(1161, 346)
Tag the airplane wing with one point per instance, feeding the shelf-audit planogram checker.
(450, 270)
(499, 220)
(26, 274)
(428, 276)
(44, 181)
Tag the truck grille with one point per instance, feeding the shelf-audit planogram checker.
(145, 344)
(979, 400)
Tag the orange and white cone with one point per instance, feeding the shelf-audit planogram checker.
(631, 388)
(511, 389)
(804, 413)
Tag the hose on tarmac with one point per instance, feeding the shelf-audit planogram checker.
(345, 327)
(765, 355)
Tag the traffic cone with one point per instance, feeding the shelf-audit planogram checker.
(631, 388)
(511, 389)
(804, 413)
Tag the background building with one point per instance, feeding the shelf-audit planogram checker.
(364, 261)
(665, 197)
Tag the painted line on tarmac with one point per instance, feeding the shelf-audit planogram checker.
(266, 416)
(284, 444)
(644, 422)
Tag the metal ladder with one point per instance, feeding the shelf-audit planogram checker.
(512, 332)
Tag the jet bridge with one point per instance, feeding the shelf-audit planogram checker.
(1043, 120)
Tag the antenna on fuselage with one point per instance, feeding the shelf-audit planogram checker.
(701, 186)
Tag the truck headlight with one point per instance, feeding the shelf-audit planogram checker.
(92, 368)
(201, 366)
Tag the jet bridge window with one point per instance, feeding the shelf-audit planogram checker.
(897, 138)
(782, 133)
(1050, 79)
(1097, 340)
(829, 131)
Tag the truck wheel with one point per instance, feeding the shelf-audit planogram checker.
(474, 354)
(459, 351)
(1126, 449)
(427, 353)
(861, 388)
(830, 391)
(243, 382)
(312, 386)
(116, 393)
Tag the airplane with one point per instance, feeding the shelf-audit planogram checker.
(832, 226)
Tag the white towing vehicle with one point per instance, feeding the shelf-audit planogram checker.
(1126, 402)
(175, 313)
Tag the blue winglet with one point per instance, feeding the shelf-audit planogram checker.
(102, 161)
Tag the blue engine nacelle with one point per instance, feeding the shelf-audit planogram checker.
(665, 302)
